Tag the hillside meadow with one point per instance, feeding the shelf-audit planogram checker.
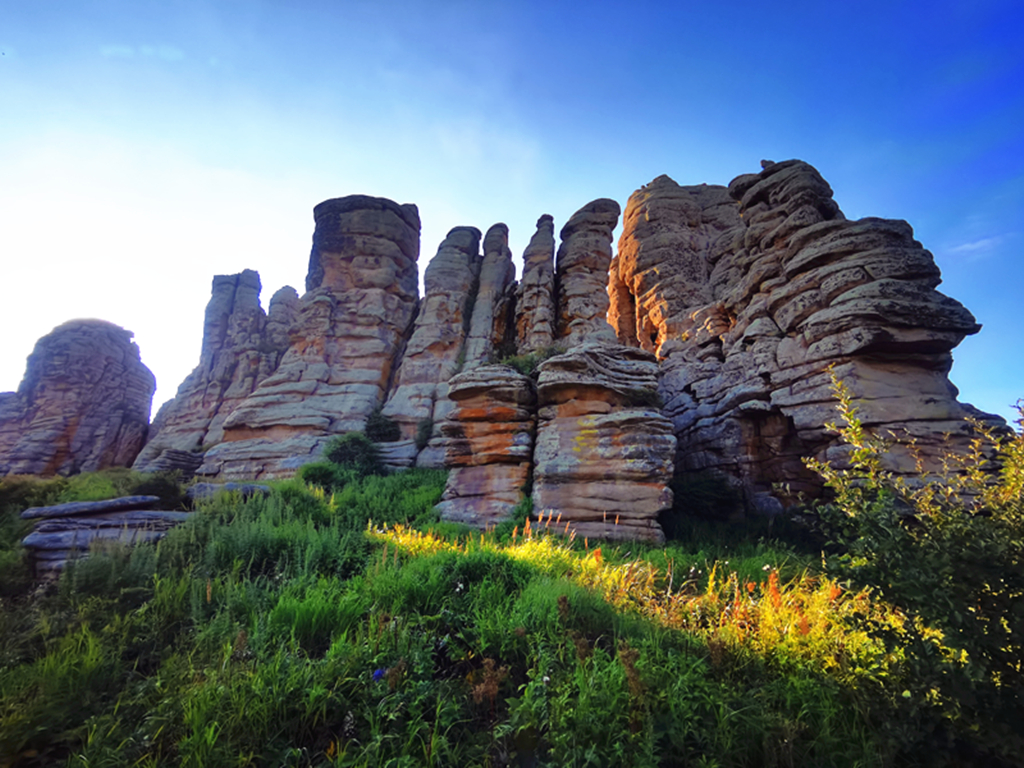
(338, 622)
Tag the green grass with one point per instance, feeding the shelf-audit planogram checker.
(338, 623)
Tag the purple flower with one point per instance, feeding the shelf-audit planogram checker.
(378, 674)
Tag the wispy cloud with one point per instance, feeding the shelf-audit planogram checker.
(980, 246)
(162, 51)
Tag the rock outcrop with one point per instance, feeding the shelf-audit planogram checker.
(67, 532)
(490, 444)
(493, 322)
(750, 294)
(344, 346)
(82, 406)
(604, 453)
(418, 400)
(535, 297)
(242, 346)
(582, 273)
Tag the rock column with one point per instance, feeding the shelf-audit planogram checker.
(535, 301)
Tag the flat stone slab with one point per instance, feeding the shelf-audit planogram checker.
(73, 508)
(80, 539)
(135, 518)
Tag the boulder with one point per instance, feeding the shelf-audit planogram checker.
(83, 404)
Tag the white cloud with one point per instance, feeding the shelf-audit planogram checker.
(117, 52)
(980, 246)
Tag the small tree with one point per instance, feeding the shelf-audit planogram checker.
(356, 451)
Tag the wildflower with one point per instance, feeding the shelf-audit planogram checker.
(378, 674)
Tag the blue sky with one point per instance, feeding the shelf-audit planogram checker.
(146, 146)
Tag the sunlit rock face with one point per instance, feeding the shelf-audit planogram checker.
(749, 294)
(604, 453)
(418, 400)
(83, 404)
(242, 346)
(489, 444)
(349, 330)
(582, 274)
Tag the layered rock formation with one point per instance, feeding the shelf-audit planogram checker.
(749, 294)
(535, 297)
(82, 406)
(492, 323)
(242, 346)
(582, 273)
(418, 400)
(344, 345)
(604, 453)
(490, 444)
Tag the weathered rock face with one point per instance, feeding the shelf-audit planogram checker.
(490, 443)
(242, 346)
(582, 273)
(82, 406)
(749, 294)
(418, 400)
(535, 300)
(347, 338)
(604, 453)
(492, 323)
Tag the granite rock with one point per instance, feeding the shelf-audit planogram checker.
(582, 264)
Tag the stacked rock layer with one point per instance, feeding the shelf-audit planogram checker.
(82, 406)
(751, 295)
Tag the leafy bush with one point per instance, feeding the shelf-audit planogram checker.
(424, 430)
(355, 451)
(950, 552)
(381, 428)
(529, 363)
(706, 495)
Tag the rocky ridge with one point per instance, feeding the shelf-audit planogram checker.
(705, 343)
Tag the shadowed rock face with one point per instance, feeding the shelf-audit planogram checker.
(82, 406)
(419, 394)
(749, 294)
(242, 346)
(345, 342)
(492, 321)
(582, 273)
(535, 300)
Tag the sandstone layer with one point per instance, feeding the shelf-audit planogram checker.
(749, 294)
(344, 345)
(242, 346)
(604, 453)
(418, 400)
(490, 444)
(83, 404)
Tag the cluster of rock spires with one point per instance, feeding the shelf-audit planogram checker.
(704, 344)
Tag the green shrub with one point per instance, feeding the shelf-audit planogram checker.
(529, 363)
(381, 428)
(355, 451)
(705, 495)
(951, 554)
(327, 475)
(424, 430)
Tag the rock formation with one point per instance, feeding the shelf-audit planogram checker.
(82, 406)
(535, 300)
(490, 444)
(418, 400)
(604, 453)
(491, 325)
(582, 273)
(749, 294)
(67, 532)
(242, 346)
(346, 341)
